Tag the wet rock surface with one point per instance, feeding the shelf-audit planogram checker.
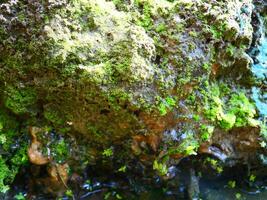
(141, 90)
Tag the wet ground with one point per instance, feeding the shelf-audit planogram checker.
(239, 182)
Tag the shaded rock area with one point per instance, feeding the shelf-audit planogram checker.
(129, 88)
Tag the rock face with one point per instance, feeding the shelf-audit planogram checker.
(151, 79)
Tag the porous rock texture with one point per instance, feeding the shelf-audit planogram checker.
(155, 80)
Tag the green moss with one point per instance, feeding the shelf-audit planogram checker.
(108, 61)
(60, 151)
(230, 49)
(206, 66)
(188, 145)
(145, 20)
(21, 156)
(161, 28)
(242, 108)
(4, 174)
(217, 32)
(163, 109)
(227, 121)
(206, 132)
(15, 155)
(229, 109)
(166, 105)
(19, 99)
(53, 116)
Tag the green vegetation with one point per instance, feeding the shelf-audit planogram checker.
(215, 164)
(218, 31)
(104, 71)
(69, 193)
(161, 168)
(108, 152)
(188, 146)
(166, 105)
(12, 156)
(4, 175)
(18, 100)
(19, 196)
(252, 178)
(60, 151)
(53, 116)
(238, 196)
(237, 111)
(206, 132)
(232, 184)
(146, 18)
(122, 169)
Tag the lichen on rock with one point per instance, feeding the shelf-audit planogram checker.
(160, 80)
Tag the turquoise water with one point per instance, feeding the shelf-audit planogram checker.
(259, 69)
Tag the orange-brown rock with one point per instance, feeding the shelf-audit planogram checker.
(35, 150)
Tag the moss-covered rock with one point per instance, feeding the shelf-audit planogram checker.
(13, 147)
(155, 78)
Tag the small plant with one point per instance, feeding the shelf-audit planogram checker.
(107, 195)
(19, 196)
(108, 152)
(238, 196)
(2, 139)
(214, 164)
(115, 194)
(166, 105)
(188, 146)
(231, 184)
(160, 167)
(263, 144)
(122, 169)
(206, 132)
(242, 108)
(146, 20)
(118, 196)
(252, 178)
(13, 157)
(226, 121)
(69, 193)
